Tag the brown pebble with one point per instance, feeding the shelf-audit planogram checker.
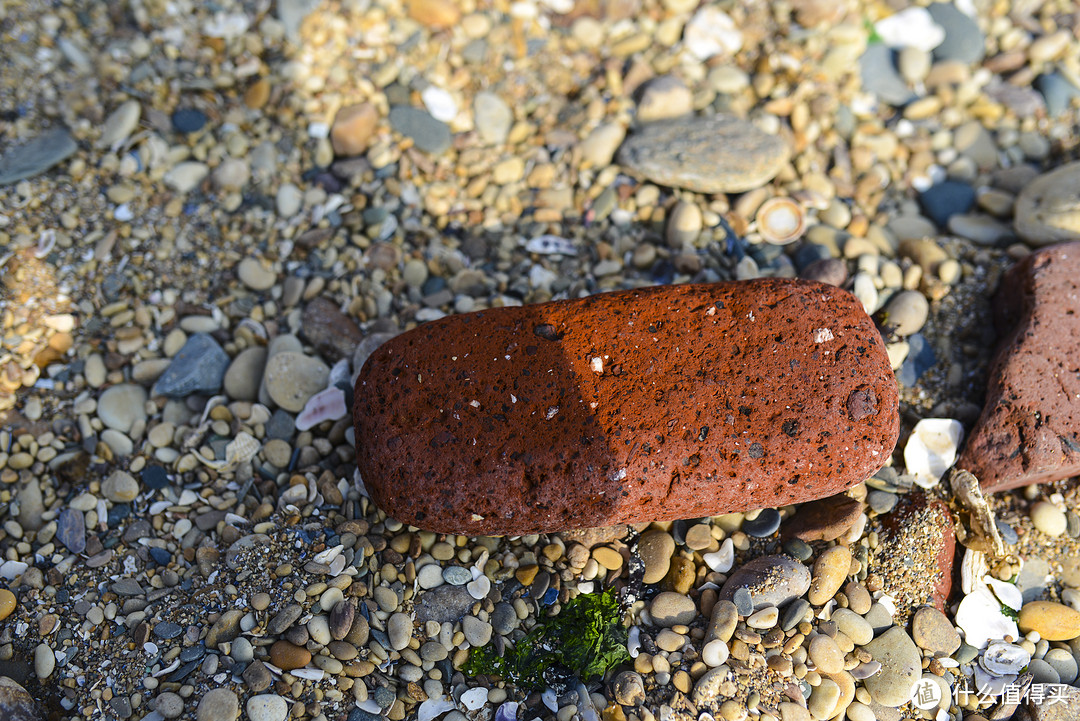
(287, 656)
(352, 129)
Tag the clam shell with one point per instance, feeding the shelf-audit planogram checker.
(1003, 659)
(979, 616)
(781, 220)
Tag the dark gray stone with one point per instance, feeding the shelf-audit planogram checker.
(964, 41)
(428, 134)
(71, 530)
(445, 603)
(946, 199)
(1056, 91)
(199, 367)
(880, 76)
(36, 156)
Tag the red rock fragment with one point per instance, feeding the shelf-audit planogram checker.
(915, 554)
(649, 404)
(1029, 430)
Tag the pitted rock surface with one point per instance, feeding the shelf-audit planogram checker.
(716, 154)
(1029, 430)
(657, 403)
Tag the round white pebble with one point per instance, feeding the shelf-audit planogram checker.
(715, 653)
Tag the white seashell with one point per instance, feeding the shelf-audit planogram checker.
(712, 32)
(1006, 592)
(723, 559)
(550, 699)
(990, 685)
(633, 641)
(551, 245)
(474, 698)
(979, 616)
(931, 449)
(241, 449)
(433, 708)
(913, 27)
(973, 568)
(339, 373)
(310, 674)
(327, 405)
(439, 103)
(1002, 659)
(226, 26)
(781, 220)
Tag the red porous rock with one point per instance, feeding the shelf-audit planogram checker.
(915, 553)
(650, 404)
(1029, 430)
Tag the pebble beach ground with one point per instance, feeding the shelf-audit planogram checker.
(212, 213)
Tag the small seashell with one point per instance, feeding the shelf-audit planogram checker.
(1006, 592)
(433, 708)
(633, 641)
(865, 670)
(990, 685)
(1002, 659)
(474, 698)
(439, 103)
(931, 449)
(781, 220)
(327, 555)
(979, 616)
(972, 569)
(551, 245)
(327, 405)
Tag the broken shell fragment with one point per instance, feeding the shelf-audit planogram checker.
(780, 220)
(931, 449)
(1002, 659)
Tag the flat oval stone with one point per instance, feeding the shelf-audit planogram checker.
(650, 404)
(715, 154)
(770, 580)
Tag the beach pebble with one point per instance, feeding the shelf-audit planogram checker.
(671, 609)
(853, 626)
(255, 274)
(906, 313)
(288, 200)
(933, 631)
(823, 699)
(1051, 620)
(1048, 518)
(120, 124)
(901, 667)
(719, 153)
(186, 176)
(664, 97)
(656, 548)
(715, 653)
(826, 655)
(288, 656)
(771, 580)
(825, 519)
(121, 406)
(267, 707)
(219, 704)
(353, 128)
(292, 378)
(120, 487)
(1046, 209)
(493, 116)
(242, 378)
(44, 661)
(199, 367)
(599, 146)
(964, 40)
(36, 156)
(711, 32)
(399, 629)
(7, 603)
(830, 571)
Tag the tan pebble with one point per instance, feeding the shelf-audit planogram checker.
(287, 656)
(260, 601)
(1052, 621)
(608, 557)
(823, 700)
(353, 128)
(826, 655)
(526, 574)
(435, 13)
(791, 711)
(257, 94)
(1048, 518)
(7, 603)
(830, 570)
(656, 548)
